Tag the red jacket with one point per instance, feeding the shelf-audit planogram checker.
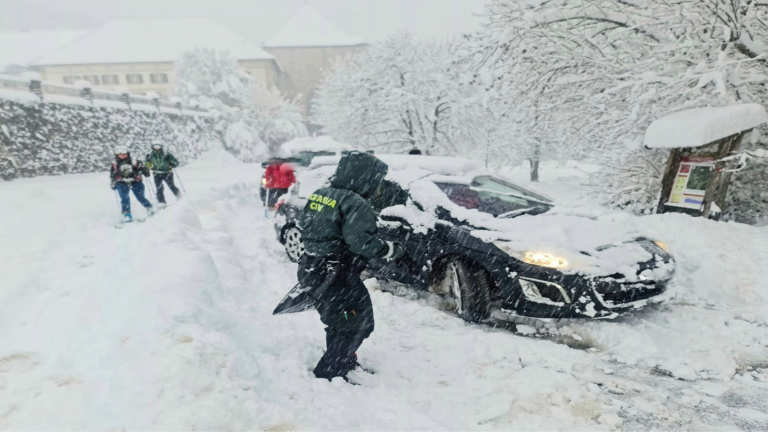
(279, 176)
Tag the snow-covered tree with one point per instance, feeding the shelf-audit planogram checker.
(399, 94)
(254, 119)
(590, 75)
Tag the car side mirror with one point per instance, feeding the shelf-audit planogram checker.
(395, 219)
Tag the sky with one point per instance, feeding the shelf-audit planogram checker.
(256, 20)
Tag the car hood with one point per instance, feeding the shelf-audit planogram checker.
(592, 246)
(592, 240)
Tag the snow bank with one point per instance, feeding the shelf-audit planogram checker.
(700, 126)
(22, 97)
(167, 325)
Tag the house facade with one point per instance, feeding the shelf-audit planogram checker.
(305, 48)
(140, 55)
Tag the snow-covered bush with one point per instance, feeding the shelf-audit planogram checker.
(51, 138)
(253, 118)
(400, 94)
(591, 75)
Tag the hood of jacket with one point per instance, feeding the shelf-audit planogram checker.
(360, 173)
(128, 159)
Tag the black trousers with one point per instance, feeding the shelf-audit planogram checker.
(168, 178)
(347, 312)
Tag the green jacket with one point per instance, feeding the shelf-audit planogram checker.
(339, 220)
(161, 162)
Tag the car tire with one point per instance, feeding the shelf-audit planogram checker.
(294, 245)
(469, 286)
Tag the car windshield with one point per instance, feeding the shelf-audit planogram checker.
(495, 196)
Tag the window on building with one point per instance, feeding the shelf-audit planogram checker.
(71, 79)
(93, 79)
(158, 78)
(134, 79)
(110, 79)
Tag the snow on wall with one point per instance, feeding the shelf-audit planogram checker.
(53, 138)
(699, 126)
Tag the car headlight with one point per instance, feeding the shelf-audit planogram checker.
(662, 245)
(545, 260)
(542, 259)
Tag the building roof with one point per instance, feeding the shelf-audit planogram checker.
(699, 126)
(151, 41)
(22, 47)
(309, 28)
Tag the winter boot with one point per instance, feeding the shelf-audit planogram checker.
(355, 365)
(161, 205)
(127, 218)
(150, 212)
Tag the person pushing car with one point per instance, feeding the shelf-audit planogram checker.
(340, 236)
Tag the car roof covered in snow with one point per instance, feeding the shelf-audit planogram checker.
(312, 144)
(309, 28)
(152, 41)
(700, 126)
(445, 165)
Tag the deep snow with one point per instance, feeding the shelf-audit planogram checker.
(167, 325)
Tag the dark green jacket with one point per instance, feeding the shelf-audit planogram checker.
(161, 161)
(339, 220)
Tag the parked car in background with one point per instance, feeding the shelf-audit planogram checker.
(300, 152)
(484, 242)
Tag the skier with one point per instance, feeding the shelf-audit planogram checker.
(162, 165)
(279, 176)
(125, 176)
(339, 233)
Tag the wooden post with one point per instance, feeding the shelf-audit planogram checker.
(720, 180)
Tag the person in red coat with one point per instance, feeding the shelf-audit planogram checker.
(279, 176)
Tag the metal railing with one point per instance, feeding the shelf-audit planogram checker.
(43, 88)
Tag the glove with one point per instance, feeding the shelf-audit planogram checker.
(113, 185)
(138, 178)
(396, 251)
(149, 165)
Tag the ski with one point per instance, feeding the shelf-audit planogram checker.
(122, 224)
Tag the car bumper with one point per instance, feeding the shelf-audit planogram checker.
(544, 293)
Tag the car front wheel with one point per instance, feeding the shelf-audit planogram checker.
(294, 246)
(468, 286)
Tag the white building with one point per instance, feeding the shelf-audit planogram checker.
(20, 48)
(307, 45)
(140, 55)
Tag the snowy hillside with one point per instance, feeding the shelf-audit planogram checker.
(167, 325)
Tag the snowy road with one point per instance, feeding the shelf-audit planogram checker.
(167, 325)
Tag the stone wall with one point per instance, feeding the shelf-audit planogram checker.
(44, 138)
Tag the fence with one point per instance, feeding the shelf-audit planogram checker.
(88, 95)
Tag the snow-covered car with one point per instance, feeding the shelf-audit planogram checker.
(300, 152)
(484, 242)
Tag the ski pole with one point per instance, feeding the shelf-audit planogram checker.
(180, 182)
(117, 201)
(266, 203)
(152, 194)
